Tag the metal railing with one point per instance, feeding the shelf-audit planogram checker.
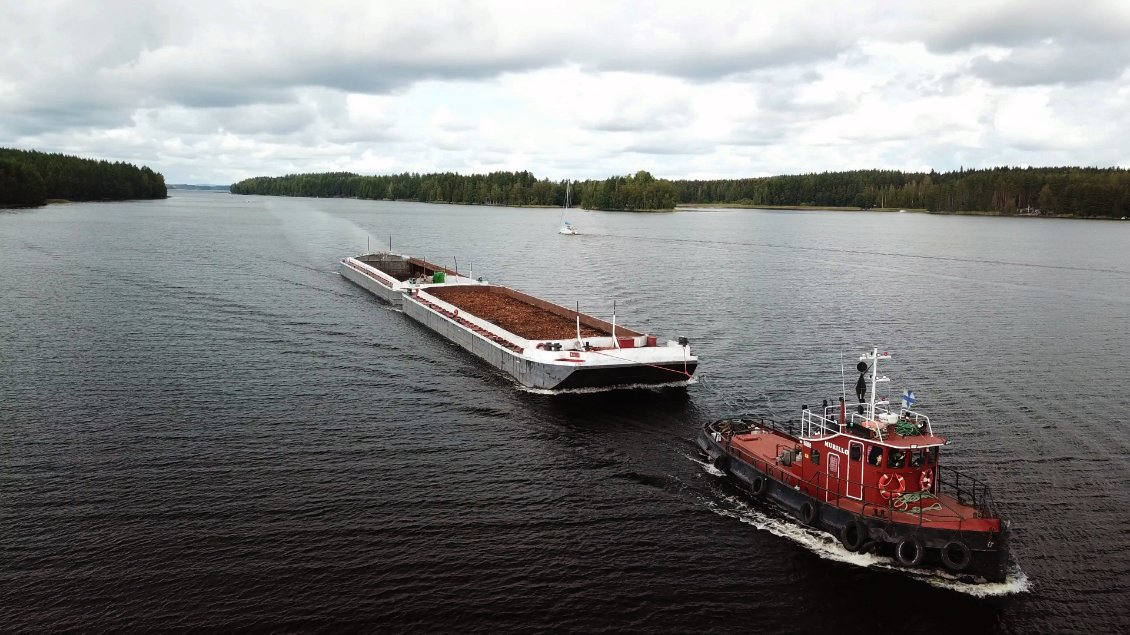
(817, 425)
(743, 425)
(814, 425)
(967, 490)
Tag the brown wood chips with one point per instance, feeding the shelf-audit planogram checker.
(520, 318)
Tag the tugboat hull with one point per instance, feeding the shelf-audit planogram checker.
(977, 554)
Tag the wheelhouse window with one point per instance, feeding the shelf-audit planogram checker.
(875, 456)
(814, 456)
(916, 458)
(932, 456)
(855, 452)
(896, 459)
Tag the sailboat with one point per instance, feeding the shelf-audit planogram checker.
(566, 227)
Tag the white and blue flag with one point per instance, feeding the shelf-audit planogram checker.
(908, 398)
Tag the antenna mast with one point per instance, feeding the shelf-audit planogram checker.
(874, 375)
(615, 341)
(578, 322)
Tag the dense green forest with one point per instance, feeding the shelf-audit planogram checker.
(1093, 192)
(30, 178)
(638, 192)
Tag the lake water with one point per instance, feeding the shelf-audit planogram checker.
(202, 426)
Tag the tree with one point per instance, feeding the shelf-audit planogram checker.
(20, 185)
(40, 176)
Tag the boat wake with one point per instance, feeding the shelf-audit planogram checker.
(708, 468)
(828, 547)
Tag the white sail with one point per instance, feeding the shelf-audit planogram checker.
(567, 228)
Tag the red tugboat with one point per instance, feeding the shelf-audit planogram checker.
(871, 476)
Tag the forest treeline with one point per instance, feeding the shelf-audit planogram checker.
(1094, 192)
(30, 178)
(640, 191)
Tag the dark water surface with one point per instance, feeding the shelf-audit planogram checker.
(202, 426)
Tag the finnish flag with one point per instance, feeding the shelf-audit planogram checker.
(908, 398)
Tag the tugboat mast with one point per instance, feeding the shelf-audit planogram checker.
(874, 358)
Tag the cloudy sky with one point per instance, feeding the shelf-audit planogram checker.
(213, 92)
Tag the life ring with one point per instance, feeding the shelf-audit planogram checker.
(853, 535)
(759, 486)
(910, 552)
(956, 555)
(809, 513)
(926, 480)
(891, 485)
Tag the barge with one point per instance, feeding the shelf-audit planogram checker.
(872, 476)
(540, 344)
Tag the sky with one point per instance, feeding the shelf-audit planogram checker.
(214, 92)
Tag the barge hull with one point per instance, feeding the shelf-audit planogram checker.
(535, 374)
(372, 284)
(630, 375)
(528, 373)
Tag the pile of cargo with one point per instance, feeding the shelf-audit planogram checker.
(520, 318)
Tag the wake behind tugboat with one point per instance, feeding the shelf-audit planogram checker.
(871, 478)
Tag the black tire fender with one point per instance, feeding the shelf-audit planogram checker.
(956, 555)
(722, 463)
(759, 486)
(853, 535)
(909, 552)
(809, 513)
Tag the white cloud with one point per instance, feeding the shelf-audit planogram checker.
(227, 90)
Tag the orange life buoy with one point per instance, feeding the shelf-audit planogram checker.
(891, 484)
(926, 480)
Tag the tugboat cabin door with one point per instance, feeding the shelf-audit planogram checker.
(833, 490)
(855, 470)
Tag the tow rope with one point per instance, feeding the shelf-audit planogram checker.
(683, 372)
(902, 503)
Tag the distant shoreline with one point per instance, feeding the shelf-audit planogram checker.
(817, 208)
(691, 207)
(200, 188)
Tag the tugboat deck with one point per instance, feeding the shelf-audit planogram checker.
(953, 514)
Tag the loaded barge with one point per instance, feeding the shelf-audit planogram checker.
(870, 475)
(540, 344)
